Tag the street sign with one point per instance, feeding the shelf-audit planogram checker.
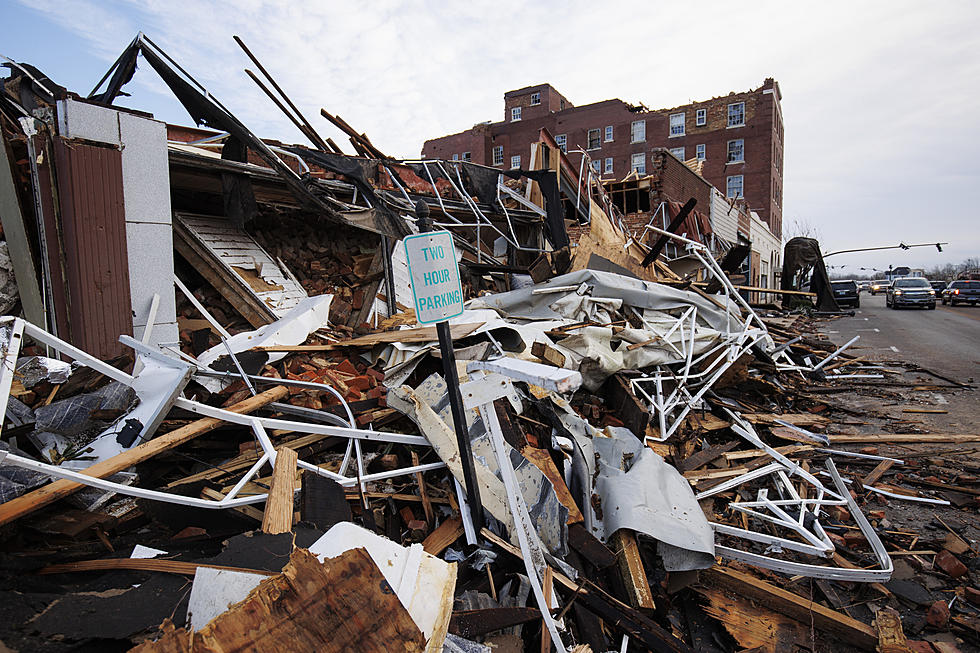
(434, 274)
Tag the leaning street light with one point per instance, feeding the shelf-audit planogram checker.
(938, 246)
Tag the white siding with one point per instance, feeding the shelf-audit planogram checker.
(723, 223)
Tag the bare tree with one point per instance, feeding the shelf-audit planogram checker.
(802, 227)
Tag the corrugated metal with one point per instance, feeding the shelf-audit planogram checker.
(94, 236)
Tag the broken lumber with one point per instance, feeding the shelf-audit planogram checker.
(848, 630)
(631, 569)
(278, 516)
(338, 605)
(31, 501)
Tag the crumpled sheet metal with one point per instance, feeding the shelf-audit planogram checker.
(32, 370)
(598, 353)
(524, 304)
(293, 328)
(636, 489)
(428, 406)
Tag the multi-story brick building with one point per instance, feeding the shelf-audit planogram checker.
(739, 136)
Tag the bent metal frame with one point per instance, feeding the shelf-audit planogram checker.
(12, 334)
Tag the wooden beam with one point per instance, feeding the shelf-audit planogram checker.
(28, 503)
(904, 438)
(848, 630)
(421, 334)
(877, 472)
(631, 569)
(440, 539)
(142, 564)
(278, 516)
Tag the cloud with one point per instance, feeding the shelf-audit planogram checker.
(878, 102)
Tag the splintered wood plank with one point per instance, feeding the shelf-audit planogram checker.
(631, 569)
(877, 472)
(752, 626)
(28, 503)
(278, 517)
(848, 630)
(342, 604)
(421, 334)
(904, 438)
(542, 460)
(891, 637)
(440, 539)
(796, 419)
(705, 456)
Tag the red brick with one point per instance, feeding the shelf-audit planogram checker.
(938, 615)
(376, 373)
(762, 133)
(972, 595)
(376, 392)
(950, 564)
(362, 383)
(347, 367)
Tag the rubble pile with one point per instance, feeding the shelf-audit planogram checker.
(272, 456)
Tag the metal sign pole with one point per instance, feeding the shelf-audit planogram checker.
(455, 398)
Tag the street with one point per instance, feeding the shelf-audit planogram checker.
(946, 340)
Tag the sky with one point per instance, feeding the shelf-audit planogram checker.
(880, 99)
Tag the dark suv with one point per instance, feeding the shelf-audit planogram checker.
(911, 291)
(962, 292)
(846, 293)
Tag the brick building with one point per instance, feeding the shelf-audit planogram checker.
(738, 136)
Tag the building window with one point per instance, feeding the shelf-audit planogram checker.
(594, 136)
(734, 187)
(498, 155)
(609, 166)
(515, 161)
(638, 162)
(467, 156)
(535, 99)
(609, 133)
(736, 114)
(638, 131)
(701, 117)
(699, 151)
(736, 151)
(678, 152)
(562, 141)
(677, 124)
(515, 114)
(596, 165)
(455, 157)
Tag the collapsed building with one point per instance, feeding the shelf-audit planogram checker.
(620, 395)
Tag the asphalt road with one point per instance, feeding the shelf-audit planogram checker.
(946, 340)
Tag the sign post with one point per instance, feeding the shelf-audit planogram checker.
(438, 297)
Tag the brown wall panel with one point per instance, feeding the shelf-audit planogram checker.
(96, 256)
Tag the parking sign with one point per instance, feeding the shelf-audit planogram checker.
(434, 274)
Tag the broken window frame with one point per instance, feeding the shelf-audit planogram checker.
(736, 150)
(498, 155)
(677, 125)
(594, 139)
(736, 114)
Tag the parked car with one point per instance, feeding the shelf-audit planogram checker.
(938, 286)
(910, 291)
(846, 293)
(880, 286)
(962, 292)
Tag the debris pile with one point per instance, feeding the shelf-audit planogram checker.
(655, 465)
